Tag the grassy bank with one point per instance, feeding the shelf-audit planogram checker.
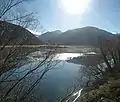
(107, 92)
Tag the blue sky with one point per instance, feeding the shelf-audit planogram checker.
(103, 14)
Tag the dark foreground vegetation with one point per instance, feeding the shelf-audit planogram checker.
(103, 91)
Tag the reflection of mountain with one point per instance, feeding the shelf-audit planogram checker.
(16, 34)
(81, 36)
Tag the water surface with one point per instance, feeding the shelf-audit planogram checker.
(55, 82)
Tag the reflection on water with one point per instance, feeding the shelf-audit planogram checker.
(60, 56)
(66, 56)
(56, 81)
(77, 94)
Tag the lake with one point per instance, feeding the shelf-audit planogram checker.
(55, 82)
(61, 77)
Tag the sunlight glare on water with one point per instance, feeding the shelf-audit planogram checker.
(66, 56)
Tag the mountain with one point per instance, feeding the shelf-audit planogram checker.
(50, 36)
(15, 34)
(82, 36)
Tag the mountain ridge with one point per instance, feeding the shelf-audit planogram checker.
(49, 36)
(81, 36)
(17, 35)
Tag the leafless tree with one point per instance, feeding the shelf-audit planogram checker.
(11, 84)
(25, 20)
(97, 67)
(111, 52)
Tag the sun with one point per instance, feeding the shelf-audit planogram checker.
(75, 6)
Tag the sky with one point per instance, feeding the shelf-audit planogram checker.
(104, 14)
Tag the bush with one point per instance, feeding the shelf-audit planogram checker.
(109, 92)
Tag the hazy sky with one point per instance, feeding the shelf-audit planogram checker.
(104, 14)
